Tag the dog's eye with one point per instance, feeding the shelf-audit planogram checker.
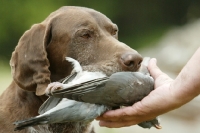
(86, 35)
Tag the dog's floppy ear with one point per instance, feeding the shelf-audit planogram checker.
(29, 62)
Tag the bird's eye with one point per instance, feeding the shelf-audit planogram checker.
(86, 36)
(114, 32)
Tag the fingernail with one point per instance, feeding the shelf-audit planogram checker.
(154, 60)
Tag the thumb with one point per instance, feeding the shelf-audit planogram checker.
(153, 68)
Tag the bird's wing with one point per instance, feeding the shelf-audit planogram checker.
(75, 91)
(50, 103)
(80, 111)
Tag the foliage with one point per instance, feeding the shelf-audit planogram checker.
(140, 22)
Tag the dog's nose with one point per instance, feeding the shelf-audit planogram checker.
(131, 60)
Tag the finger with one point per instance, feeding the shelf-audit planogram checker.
(110, 124)
(124, 114)
(153, 68)
(112, 115)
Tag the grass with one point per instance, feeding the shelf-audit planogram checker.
(6, 77)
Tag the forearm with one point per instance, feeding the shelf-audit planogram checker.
(187, 84)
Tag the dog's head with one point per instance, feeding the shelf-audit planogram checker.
(81, 33)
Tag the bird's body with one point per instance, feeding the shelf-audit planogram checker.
(94, 93)
(120, 89)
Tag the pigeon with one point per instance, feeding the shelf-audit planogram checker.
(120, 89)
(84, 95)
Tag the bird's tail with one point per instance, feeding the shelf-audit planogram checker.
(30, 122)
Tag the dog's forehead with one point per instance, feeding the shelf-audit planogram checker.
(82, 16)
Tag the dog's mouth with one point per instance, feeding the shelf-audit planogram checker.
(107, 68)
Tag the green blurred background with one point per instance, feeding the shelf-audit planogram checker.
(141, 24)
(139, 21)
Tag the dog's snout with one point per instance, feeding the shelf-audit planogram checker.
(131, 60)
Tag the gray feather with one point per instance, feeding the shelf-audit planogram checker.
(50, 103)
(120, 89)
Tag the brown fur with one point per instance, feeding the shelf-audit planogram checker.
(39, 58)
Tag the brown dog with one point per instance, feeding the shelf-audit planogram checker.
(39, 58)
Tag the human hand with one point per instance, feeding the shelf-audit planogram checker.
(159, 101)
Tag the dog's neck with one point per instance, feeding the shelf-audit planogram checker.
(72, 127)
(19, 104)
(20, 101)
(26, 105)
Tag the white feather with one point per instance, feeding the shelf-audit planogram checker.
(82, 76)
(76, 65)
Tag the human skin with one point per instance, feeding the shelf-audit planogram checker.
(168, 95)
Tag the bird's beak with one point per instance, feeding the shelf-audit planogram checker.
(143, 68)
(157, 126)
